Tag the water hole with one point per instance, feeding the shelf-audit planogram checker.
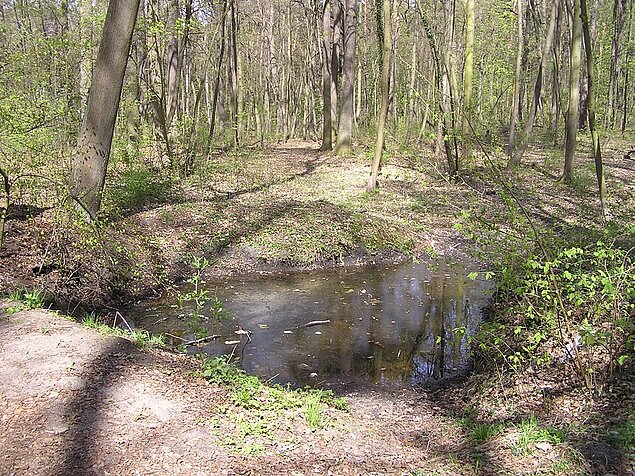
(405, 324)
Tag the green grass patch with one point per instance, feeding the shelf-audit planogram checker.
(26, 299)
(141, 338)
(529, 433)
(625, 435)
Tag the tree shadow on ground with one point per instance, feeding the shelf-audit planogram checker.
(590, 444)
(83, 414)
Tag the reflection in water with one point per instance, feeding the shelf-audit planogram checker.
(385, 325)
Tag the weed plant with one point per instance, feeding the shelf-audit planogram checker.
(26, 299)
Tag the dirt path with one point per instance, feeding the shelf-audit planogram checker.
(76, 402)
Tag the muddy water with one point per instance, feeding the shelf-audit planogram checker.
(386, 326)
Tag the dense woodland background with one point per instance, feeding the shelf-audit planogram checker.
(203, 75)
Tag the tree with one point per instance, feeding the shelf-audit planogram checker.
(90, 161)
(386, 36)
(595, 137)
(467, 76)
(516, 89)
(345, 128)
(327, 38)
(573, 113)
(546, 51)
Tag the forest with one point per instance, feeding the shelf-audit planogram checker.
(317, 237)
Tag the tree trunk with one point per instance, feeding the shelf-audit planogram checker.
(385, 79)
(619, 15)
(216, 94)
(234, 72)
(514, 161)
(574, 95)
(516, 88)
(90, 162)
(343, 146)
(467, 77)
(4, 204)
(327, 38)
(173, 64)
(336, 21)
(595, 137)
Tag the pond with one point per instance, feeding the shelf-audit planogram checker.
(405, 324)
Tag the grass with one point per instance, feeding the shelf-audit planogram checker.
(625, 435)
(248, 392)
(483, 432)
(26, 299)
(260, 411)
(141, 338)
(529, 433)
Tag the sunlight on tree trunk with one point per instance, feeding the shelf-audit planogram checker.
(574, 95)
(327, 35)
(516, 88)
(467, 78)
(514, 161)
(90, 162)
(345, 129)
(385, 79)
(595, 137)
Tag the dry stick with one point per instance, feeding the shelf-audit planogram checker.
(118, 315)
(201, 340)
(311, 324)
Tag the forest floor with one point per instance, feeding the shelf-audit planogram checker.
(74, 401)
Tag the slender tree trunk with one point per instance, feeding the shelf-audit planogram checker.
(85, 10)
(595, 137)
(516, 87)
(327, 38)
(619, 15)
(467, 78)
(90, 162)
(574, 94)
(4, 203)
(546, 50)
(216, 94)
(345, 129)
(336, 21)
(173, 64)
(385, 79)
(234, 73)
(627, 61)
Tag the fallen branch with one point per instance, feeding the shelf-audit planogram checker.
(201, 340)
(311, 324)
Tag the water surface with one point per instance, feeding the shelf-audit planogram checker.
(403, 324)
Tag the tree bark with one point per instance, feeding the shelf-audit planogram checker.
(327, 38)
(345, 129)
(467, 77)
(574, 94)
(336, 22)
(4, 204)
(216, 94)
(516, 88)
(234, 72)
(514, 161)
(90, 162)
(385, 79)
(595, 137)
